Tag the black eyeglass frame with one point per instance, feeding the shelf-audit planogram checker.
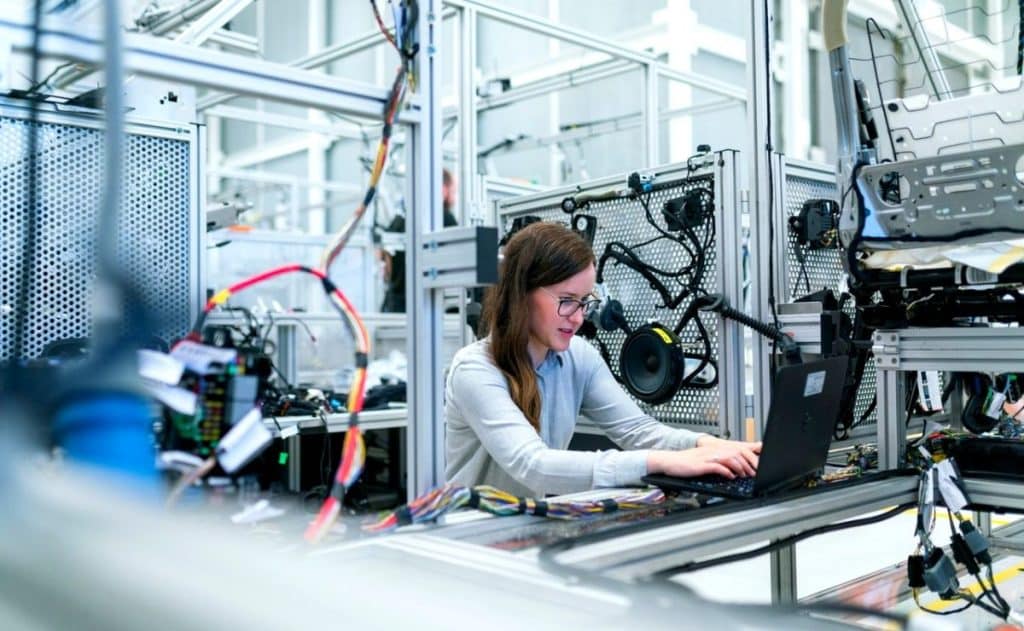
(589, 306)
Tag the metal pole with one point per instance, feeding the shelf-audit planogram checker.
(732, 419)
(650, 115)
(758, 198)
(468, 106)
(152, 57)
(469, 182)
(783, 572)
(317, 59)
(891, 433)
(424, 306)
(588, 41)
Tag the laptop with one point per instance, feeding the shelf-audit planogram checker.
(804, 411)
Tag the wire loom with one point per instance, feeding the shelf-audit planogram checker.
(353, 454)
(439, 501)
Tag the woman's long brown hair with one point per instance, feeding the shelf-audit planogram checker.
(539, 255)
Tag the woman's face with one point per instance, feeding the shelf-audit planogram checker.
(548, 329)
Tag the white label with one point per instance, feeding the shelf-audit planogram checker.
(291, 430)
(159, 367)
(200, 358)
(994, 409)
(244, 442)
(929, 393)
(178, 399)
(815, 383)
(952, 492)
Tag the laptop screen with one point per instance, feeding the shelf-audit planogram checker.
(804, 412)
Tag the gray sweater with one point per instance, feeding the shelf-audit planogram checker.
(489, 440)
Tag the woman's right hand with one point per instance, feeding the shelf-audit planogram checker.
(697, 461)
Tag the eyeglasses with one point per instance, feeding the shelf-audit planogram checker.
(568, 306)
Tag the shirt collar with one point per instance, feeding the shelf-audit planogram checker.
(551, 361)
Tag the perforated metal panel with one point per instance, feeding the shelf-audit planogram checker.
(623, 220)
(157, 230)
(821, 268)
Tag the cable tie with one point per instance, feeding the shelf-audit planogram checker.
(540, 508)
(362, 361)
(329, 286)
(353, 420)
(609, 505)
(522, 505)
(474, 499)
(403, 516)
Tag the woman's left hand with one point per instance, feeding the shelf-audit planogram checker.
(742, 452)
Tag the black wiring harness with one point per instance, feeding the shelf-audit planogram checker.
(689, 228)
(653, 363)
(932, 567)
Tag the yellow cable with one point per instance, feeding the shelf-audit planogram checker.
(974, 588)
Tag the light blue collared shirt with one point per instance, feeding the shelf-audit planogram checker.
(489, 440)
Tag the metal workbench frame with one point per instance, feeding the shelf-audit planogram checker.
(969, 349)
(640, 552)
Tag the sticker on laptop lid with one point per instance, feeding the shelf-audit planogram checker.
(815, 383)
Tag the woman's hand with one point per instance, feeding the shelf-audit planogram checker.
(727, 458)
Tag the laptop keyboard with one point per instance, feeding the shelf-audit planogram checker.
(737, 486)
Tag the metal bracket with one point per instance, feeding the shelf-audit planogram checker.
(975, 194)
(803, 322)
(886, 349)
(460, 257)
(966, 349)
(6, 66)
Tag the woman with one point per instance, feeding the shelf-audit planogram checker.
(512, 399)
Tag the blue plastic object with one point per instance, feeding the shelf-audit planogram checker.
(109, 430)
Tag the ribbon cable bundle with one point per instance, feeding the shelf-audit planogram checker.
(435, 503)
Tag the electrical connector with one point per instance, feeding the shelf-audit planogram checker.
(940, 574)
(915, 571)
(962, 553)
(976, 542)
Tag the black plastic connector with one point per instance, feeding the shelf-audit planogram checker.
(915, 571)
(976, 541)
(940, 574)
(962, 553)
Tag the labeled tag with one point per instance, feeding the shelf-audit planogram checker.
(954, 496)
(244, 442)
(929, 392)
(815, 383)
(662, 334)
(926, 502)
(203, 359)
(291, 430)
(994, 404)
(160, 367)
(178, 399)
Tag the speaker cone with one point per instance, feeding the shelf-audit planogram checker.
(652, 364)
